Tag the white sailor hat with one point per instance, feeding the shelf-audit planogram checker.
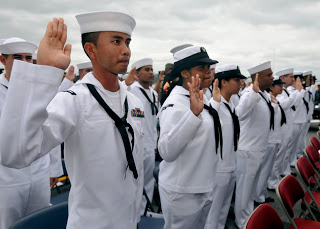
(190, 57)
(106, 21)
(179, 47)
(228, 71)
(298, 74)
(84, 65)
(212, 66)
(143, 62)
(277, 80)
(259, 67)
(283, 72)
(306, 73)
(248, 80)
(15, 45)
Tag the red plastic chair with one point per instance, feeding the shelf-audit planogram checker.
(289, 192)
(315, 142)
(264, 217)
(313, 156)
(306, 172)
(318, 133)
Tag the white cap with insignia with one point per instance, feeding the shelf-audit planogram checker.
(16, 45)
(283, 72)
(143, 62)
(106, 21)
(84, 65)
(307, 73)
(180, 47)
(259, 68)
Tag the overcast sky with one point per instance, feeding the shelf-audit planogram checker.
(244, 33)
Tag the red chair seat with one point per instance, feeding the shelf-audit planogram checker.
(316, 196)
(305, 223)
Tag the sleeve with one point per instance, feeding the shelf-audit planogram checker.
(215, 104)
(288, 102)
(36, 126)
(247, 102)
(55, 162)
(178, 127)
(65, 85)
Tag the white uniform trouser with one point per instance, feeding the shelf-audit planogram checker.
(302, 141)
(297, 134)
(248, 171)
(185, 210)
(19, 201)
(261, 192)
(148, 182)
(221, 200)
(276, 170)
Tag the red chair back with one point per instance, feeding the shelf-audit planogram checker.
(315, 142)
(264, 217)
(318, 133)
(290, 191)
(312, 154)
(306, 170)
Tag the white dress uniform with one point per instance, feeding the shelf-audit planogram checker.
(188, 170)
(208, 93)
(23, 191)
(299, 118)
(104, 193)
(235, 99)
(274, 141)
(150, 137)
(281, 164)
(65, 84)
(289, 102)
(226, 171)
(254, 116)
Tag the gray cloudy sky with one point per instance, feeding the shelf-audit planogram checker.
(244, 32)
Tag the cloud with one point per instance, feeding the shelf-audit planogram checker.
(236, 32)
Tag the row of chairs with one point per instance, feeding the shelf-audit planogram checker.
(289, 192)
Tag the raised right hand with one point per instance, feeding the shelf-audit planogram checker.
(70, 73)
(131, 77)
(52, 49)
(298, 85)
(255, 86)
(196, 95)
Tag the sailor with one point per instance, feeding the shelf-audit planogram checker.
(188, 143)
(229, 77)
(309, 98)
(288, 103)
(299, 120)
(23, 191)
(98, 120)
(149, 99)
(253, 110)
(275, 138)
(84, 68)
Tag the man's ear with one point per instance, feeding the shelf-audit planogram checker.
(3, 60)
(185, 74)
(90, 50)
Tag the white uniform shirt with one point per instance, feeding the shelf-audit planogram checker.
(150, 124)
(287, 101)
(235, 99)
(187, 145)
(39, 169)
(65, 84)
(104, 193)
(208, 93)
(228, 163)
(275, 134)
(254, 117)
(300, 115)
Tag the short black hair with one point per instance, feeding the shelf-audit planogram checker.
(219, 82)
(89, 37)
